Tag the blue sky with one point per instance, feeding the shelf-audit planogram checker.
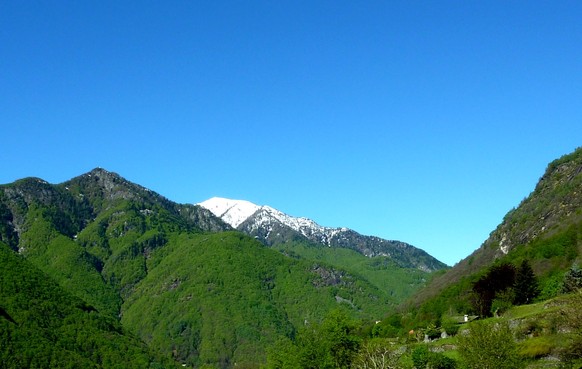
(420, 121)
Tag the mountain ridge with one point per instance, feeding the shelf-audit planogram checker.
(237, 212)
(274, 227)
(175, 276)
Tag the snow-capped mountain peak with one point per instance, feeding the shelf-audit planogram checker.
(233, 212)
(272, 227)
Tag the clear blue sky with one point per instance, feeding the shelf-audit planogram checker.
(422, 121)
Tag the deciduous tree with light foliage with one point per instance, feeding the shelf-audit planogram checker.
(378, 353)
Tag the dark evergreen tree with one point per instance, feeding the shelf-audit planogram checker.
(498, 278)
(526, 284)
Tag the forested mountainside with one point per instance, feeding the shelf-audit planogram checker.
(44, 326)
(544, 231)
(395, 266)
(170, 283)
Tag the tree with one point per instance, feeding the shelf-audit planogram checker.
(343, 344)
(331, 344)
(377, 353)
(312, 348)
(282, 355)
(526, 285)
(498, 279)
(488, 345)
(572, 279)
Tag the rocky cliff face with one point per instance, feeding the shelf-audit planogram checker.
(556, 200)
(68, 214)
(73, 204)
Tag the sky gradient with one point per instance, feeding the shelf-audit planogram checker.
(421, 121)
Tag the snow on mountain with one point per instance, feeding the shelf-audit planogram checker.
(269, 219)
(233, 212)
(272, 226)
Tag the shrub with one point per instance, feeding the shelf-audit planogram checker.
(432, 332)
(423, 358)
(488, 345)
(551, 286)
(572, 280)
(451, 326)
(571, 316)
(438, 360)
(502, 302)
(536, 348)
(420, 356)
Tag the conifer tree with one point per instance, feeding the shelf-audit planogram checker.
(526, 284)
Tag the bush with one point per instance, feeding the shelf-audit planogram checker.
(432, 332)
(440, 361)
(536, 348)
(420, 356)
(572, 280)
(450, 326)
(489, 345)
(571, 316)
(551, 286)
(423, 358)
(500, 306)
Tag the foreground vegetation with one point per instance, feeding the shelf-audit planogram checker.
(547, 334)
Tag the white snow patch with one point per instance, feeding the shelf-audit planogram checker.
(233, 212)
